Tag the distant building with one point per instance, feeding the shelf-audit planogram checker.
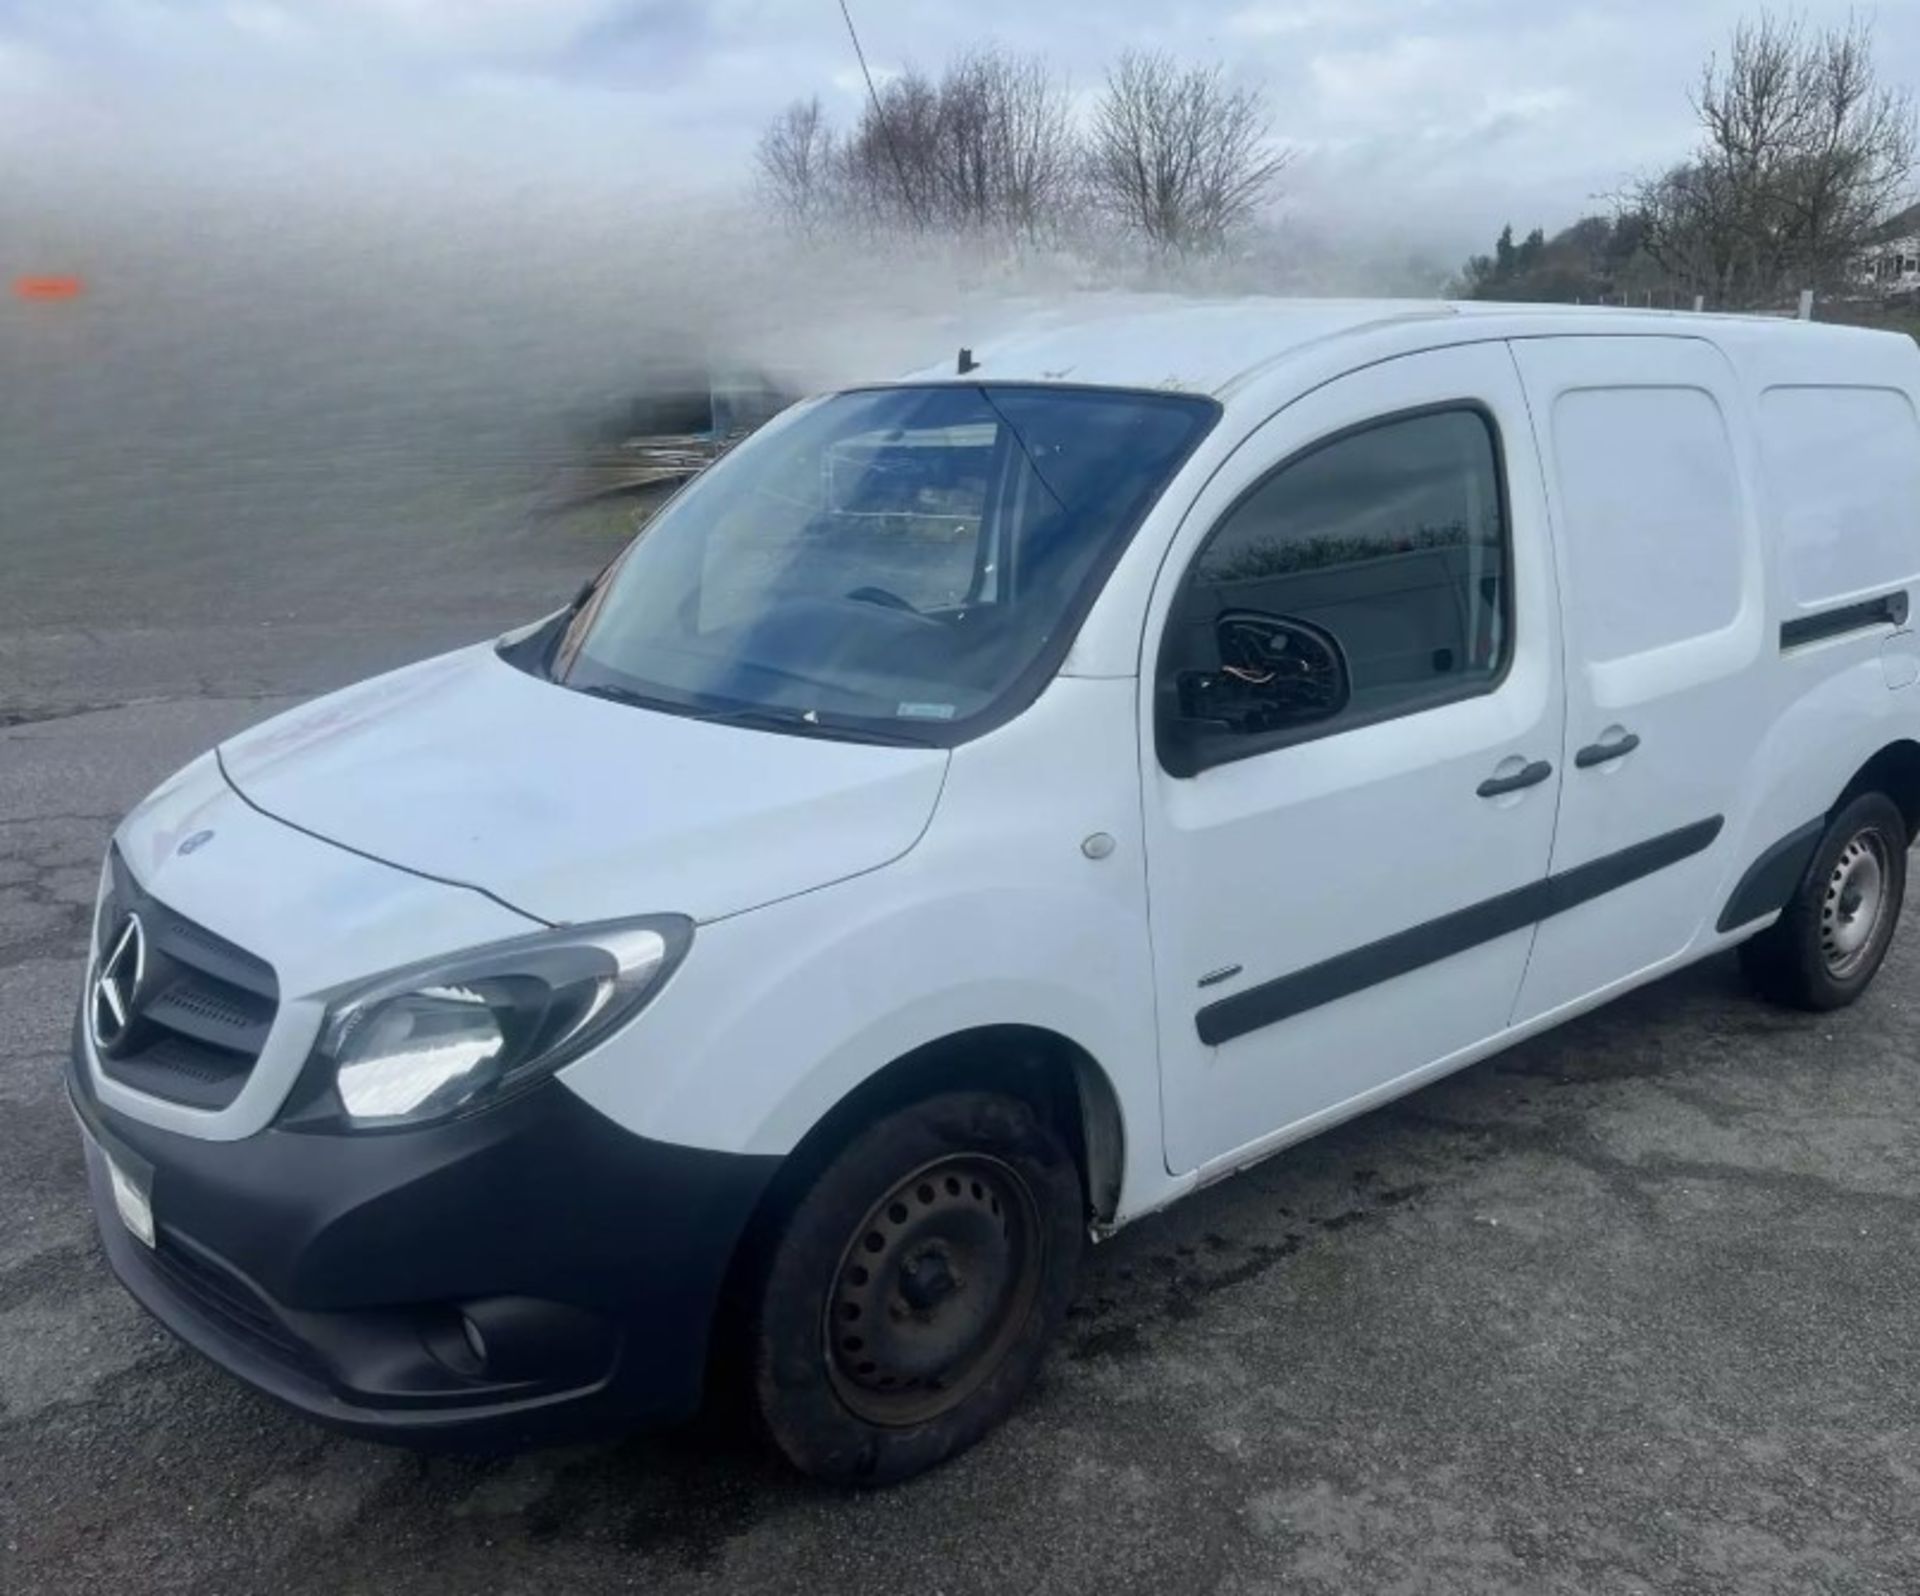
(1891, 264)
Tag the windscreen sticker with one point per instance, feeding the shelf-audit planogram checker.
(908, 711)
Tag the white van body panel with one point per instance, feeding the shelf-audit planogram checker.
(570, 808)
(1647, 450)
(1842, 471)
(858, 903)
(999, 917)
(1257, 866)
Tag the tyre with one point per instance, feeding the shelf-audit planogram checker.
(1830, 940)
(908, 1299)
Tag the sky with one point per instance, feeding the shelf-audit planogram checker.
(1419, 122)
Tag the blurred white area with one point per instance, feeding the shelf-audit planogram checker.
(328, 320)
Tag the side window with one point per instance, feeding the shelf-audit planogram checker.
(1365, 579)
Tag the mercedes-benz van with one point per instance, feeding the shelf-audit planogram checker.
(979, 811)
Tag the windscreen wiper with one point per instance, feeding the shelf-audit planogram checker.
(808, 723)
(626, 695)
(804, 722)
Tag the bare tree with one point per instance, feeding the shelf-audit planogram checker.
(993, 148)
(988, 148)
(1854, 157)
(1177, 155)
(1691, 231)
(1040, 150)
(1803, 153)
(799, 164)
(1004, 155)
(889, 161)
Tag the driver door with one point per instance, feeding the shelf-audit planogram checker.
(1350, 751)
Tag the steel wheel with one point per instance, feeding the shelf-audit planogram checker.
(907, 1299)
(935, 1283)
(1833, 933)
(1854, 904)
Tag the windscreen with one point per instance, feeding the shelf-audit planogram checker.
(891, 561)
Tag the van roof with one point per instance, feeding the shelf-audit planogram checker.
(1211, 346)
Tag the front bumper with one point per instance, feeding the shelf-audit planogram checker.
(533, 1272)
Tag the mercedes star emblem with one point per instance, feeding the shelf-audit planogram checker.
(116, 988)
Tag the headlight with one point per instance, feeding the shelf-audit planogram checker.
(458, 1034)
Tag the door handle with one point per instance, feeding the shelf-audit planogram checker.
(1499, 786)
(1603, 753)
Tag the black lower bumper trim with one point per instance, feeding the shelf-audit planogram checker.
(531, 1273)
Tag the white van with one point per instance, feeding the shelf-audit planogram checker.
(978, 812)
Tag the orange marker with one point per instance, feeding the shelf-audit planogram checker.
(48, 287)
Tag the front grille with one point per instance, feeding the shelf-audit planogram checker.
(230, 1302)
(202, 1010)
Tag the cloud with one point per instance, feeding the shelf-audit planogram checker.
(1290, 20)
(1445, 118)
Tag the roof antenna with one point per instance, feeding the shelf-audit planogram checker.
(967, 362)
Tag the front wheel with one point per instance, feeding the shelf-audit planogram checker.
(912, 1292)
(1830, 939)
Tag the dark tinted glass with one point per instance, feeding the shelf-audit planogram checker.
(892, 561)
(1367, 579)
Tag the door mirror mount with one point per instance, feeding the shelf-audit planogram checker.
(1276, 672)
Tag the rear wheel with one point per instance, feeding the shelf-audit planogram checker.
(1829, 942)
(909, 1298)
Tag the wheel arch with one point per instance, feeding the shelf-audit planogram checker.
(1045, 1068)
(1894, 770)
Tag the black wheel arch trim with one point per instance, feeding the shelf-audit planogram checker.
(1406, 951)
(1771, 879)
